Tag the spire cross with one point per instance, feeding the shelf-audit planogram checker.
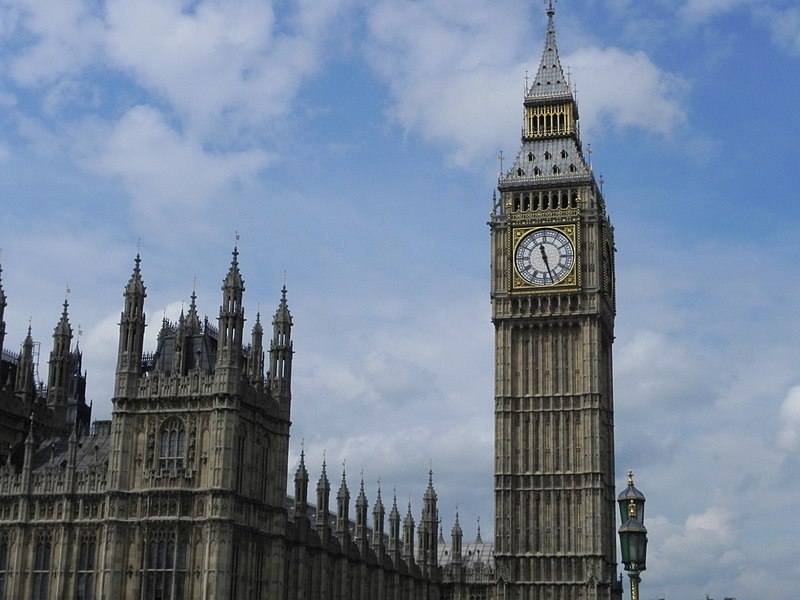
(501, 158)
(138, 245)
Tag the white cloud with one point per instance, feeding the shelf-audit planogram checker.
(784, 25)
(789, 434)
(697, 11)
(222, 66)
(180, 178)
(623, 89)
(68, 36)
(447, 71)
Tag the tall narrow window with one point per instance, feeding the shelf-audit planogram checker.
(234, 571)
(3, 565)
(41, 570)
(86, 565)
(165, 567)
(173, 444)
(240, 456)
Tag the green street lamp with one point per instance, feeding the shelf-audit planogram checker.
(633, 534)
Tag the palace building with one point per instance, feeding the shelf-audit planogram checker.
(183, 493)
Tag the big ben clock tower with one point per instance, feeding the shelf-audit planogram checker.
(553, 310)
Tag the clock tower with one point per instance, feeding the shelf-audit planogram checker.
(553, 307)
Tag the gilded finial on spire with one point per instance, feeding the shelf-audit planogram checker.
(630, 477)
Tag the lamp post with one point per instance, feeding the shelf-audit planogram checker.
(633, 534)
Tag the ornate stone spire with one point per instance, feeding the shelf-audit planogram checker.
(280, 354)
(378, 515)
(362, 508)
(343, 510)
(550, 81)
(231, 319)
(408, 537)
(323, 499)
(58, 376)
(301, 489)
(131, 335)
(394, 531)
(25, 385)
(255, 361)
(456, 537)
(551, 149)
(3, 305)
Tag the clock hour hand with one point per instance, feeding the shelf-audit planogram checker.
(546, 263)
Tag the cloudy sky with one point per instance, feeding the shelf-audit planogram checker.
(353, 146)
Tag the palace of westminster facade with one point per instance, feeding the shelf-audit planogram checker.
(183, 493)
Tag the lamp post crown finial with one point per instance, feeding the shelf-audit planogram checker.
(630, 477)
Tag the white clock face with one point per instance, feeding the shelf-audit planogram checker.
(544, 257)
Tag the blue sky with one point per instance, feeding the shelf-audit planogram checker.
(353, 145)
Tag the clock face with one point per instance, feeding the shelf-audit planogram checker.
(544, 257)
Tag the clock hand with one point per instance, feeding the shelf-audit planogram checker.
(546, 263)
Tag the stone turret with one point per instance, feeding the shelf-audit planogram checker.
(362, 508)
(131, 335)
(255, 362)
(301, 492)
(58, 376)
(231, 326)
(280, 354)
(378, 514)
(323, 501)
(343, 512)
(25, 385)
(3, 305)
(395, 550)
(429, 529)
(456, 537)
(408, 538)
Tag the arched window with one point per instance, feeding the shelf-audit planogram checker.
(173, 444)
(86, 565)
(165, 566)
(41, 569)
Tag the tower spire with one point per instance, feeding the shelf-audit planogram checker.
(551, 236)
(131, 334)
(25, 385)
(58, 375)
(280, 353)
(231, 327)
(3, 305)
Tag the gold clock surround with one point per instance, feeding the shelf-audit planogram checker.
(572, 279)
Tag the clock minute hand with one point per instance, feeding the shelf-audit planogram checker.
(546, 263)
